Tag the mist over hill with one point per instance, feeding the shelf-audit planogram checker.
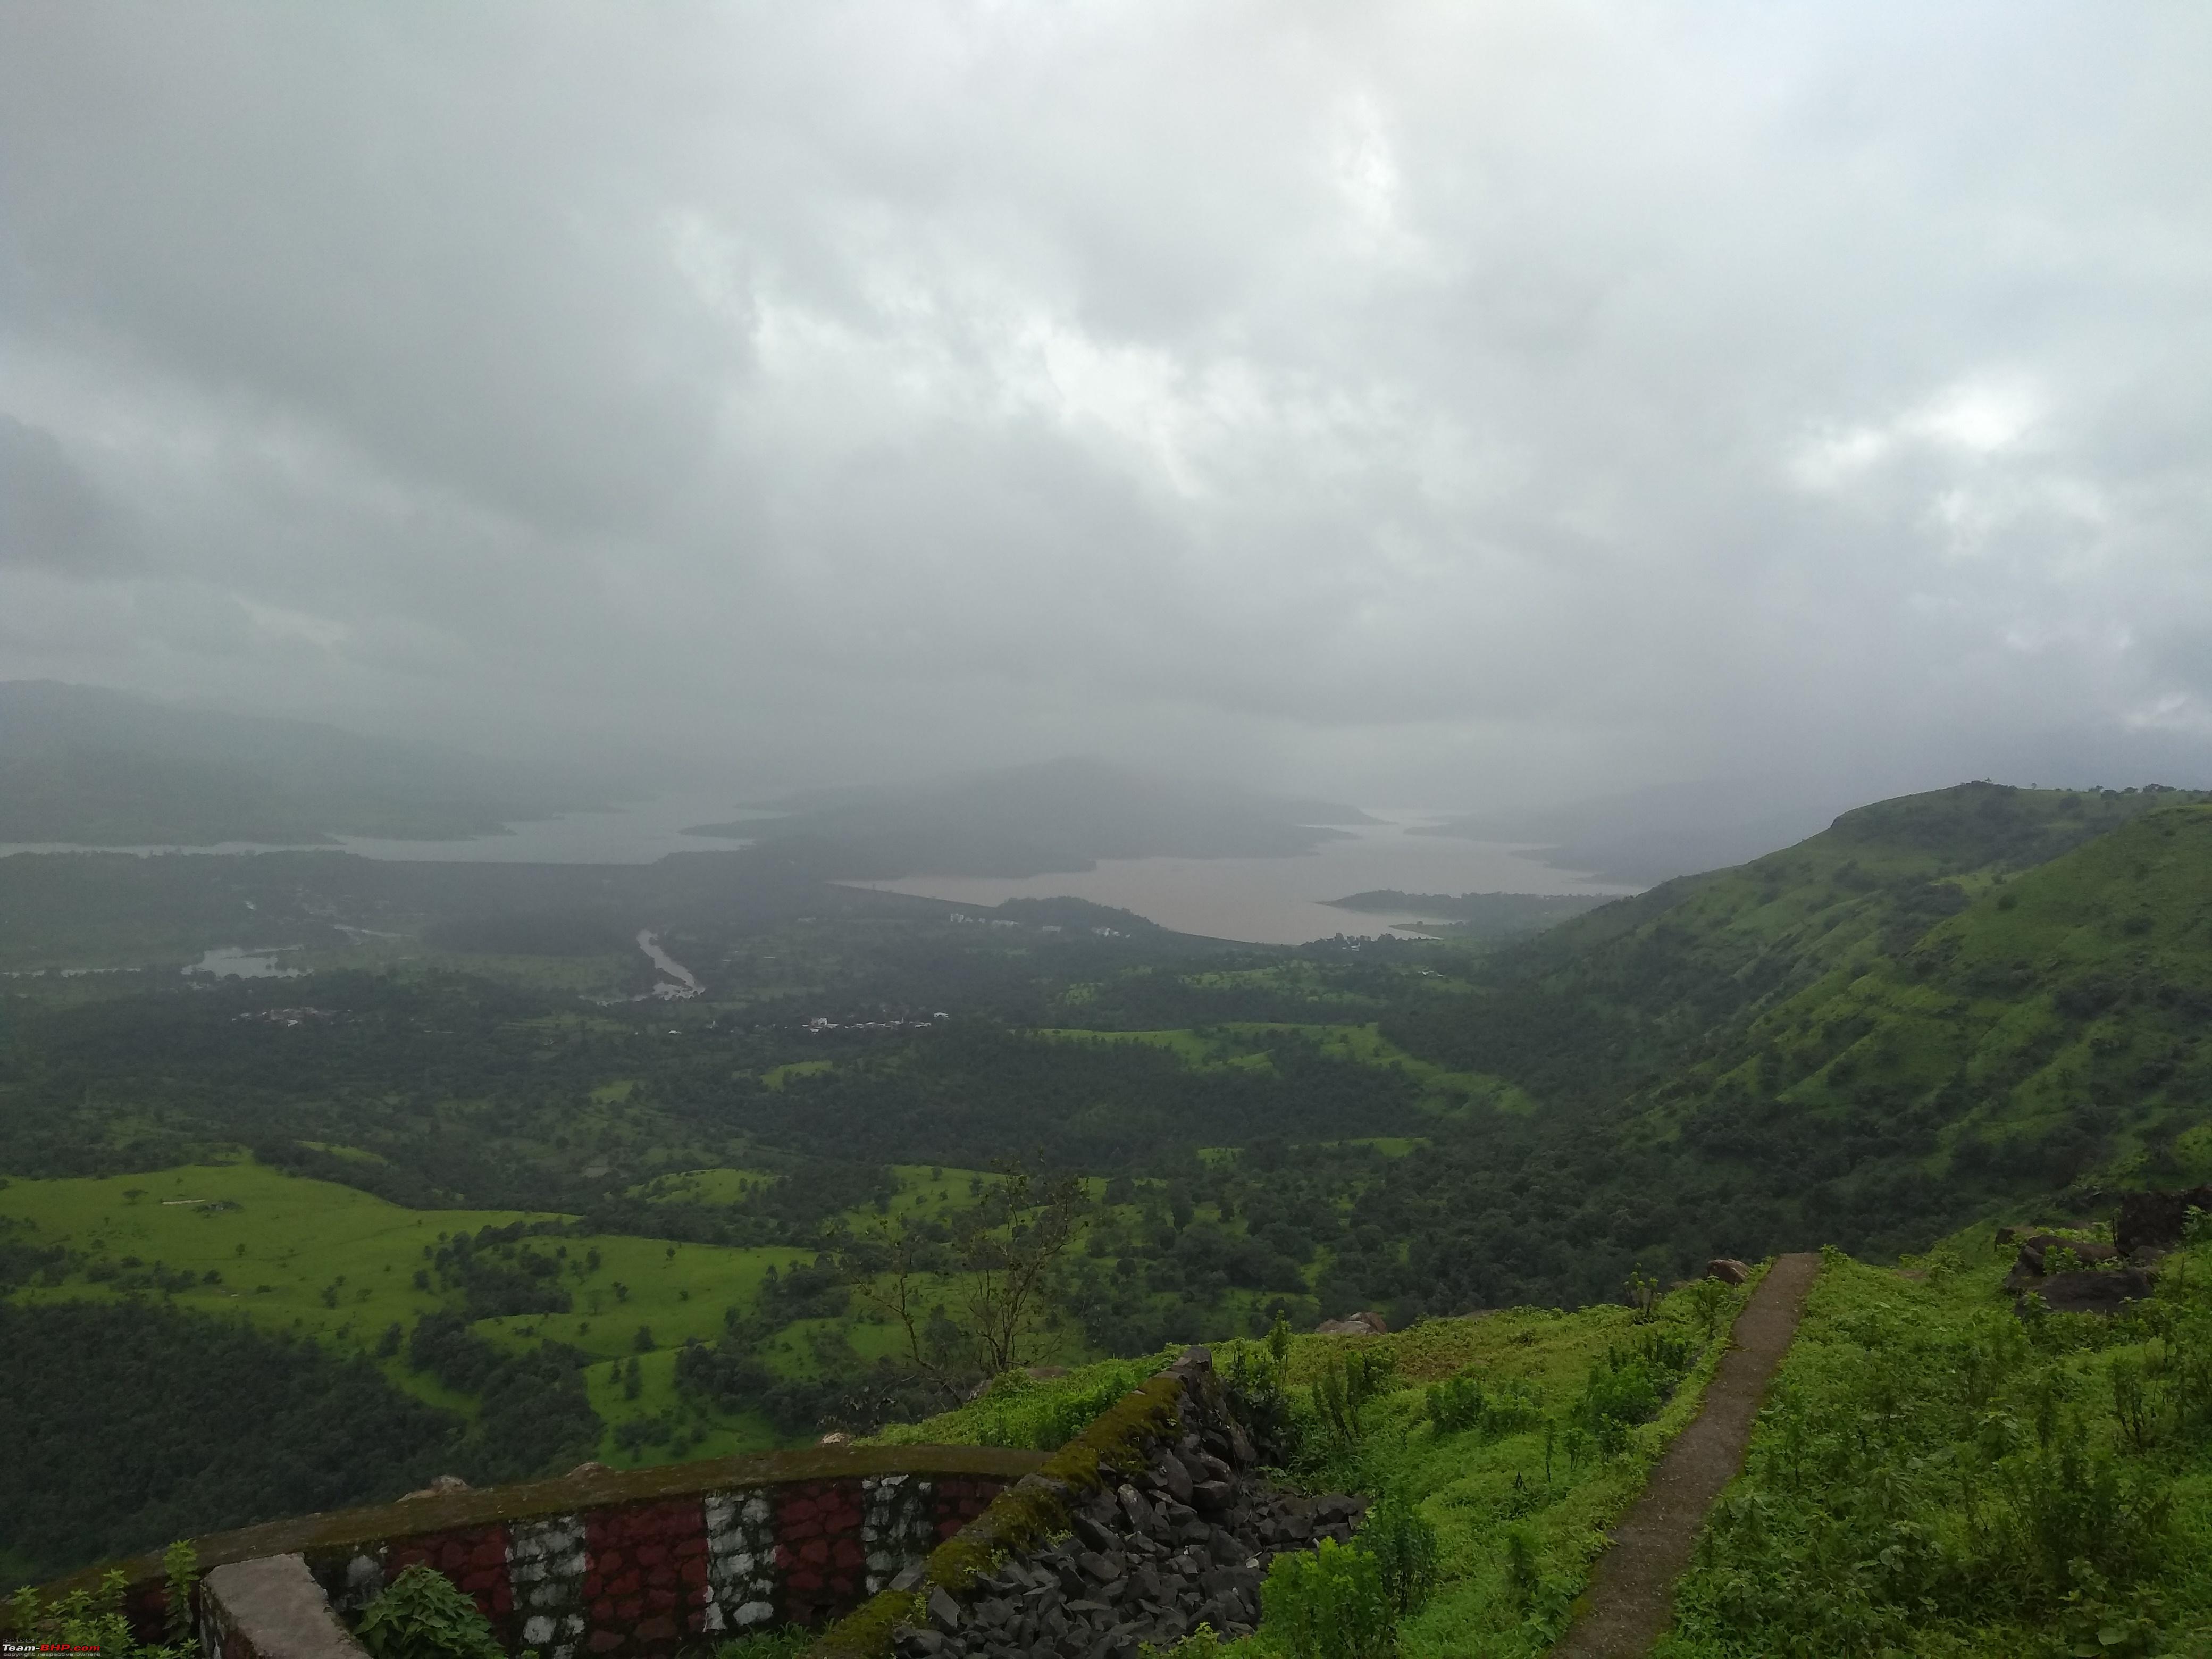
(1053, 817)
(94, 767)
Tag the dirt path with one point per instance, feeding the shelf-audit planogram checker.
(1632, 1594)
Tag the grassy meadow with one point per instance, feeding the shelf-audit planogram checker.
(327, 1262)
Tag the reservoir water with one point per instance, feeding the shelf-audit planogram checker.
(1283, 900)
(1275, 901)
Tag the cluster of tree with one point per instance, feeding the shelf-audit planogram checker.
(497, 1277)
(535, 1416)
(974, 1092)
(130, 1423)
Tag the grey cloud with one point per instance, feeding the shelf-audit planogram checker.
(52, 517)
(1449, 398)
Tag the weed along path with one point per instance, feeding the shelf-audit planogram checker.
(1631, 1594)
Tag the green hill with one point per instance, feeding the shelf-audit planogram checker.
(2049, 1030)
(1939, 1003)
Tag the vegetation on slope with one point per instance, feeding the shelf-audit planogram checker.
(1934, 1475)
(1941, 1004)
(1513, 1440)
(128, 1426)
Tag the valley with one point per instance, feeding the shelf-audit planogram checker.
(535, 1212)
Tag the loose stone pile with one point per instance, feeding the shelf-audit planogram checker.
(1184, 1543)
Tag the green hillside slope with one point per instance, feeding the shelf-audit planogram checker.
(1604, 1002)
(1942, 1002)
(2049, 1030)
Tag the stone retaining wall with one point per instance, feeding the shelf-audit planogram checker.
(1152, 1520)
(635, 1564)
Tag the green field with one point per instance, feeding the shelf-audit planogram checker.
(335, 1264)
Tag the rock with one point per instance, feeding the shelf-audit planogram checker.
(440, 1486)
(1728, 1270)
(1241, 1452)
(2034, 1252)
(582, 1469)
(1134, 1510)
(837, 1437)
(1359, 1324)
(1176, 1477)
(2157, 1218)
(2087, 1290)
(1141, 1565)
(944, 1611)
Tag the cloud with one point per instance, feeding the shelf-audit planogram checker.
(52, 517)
(1410, 398)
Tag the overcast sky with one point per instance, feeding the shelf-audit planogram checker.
(1426, 403)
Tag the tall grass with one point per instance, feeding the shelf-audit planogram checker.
(1935, 1476)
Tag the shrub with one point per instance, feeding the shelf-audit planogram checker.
(1258, 1397)
(1403, 1544)
(421, 1615)
(95, 1619)
(785, 1641)
(1329, 1603)
(1933, 1477)
(1343, 1389)
(1464, 1402)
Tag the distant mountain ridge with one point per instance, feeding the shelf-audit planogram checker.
(1656, 833)
(1051, 818)
(88, 766)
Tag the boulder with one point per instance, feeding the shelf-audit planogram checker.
(2156, 1218)
(438, 1488)
(1728, 1270)
(1359, 1324)
(2034, 1250)
(2088, 1290)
